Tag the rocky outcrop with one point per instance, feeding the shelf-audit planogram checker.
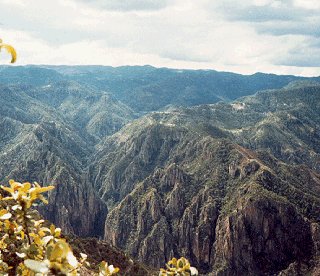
(123, 162)
(50, 154)
(168, 217)
(237, 225)
(197, 229)
(144, 217)
(262, 235)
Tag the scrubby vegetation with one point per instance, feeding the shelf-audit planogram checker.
(178, 267)
(29, 246)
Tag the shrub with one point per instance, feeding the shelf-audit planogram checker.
(27, 246)
(179, 267)
(10, 50)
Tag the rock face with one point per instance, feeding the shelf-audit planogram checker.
(263, 235)
(165, 218)
(49, 154)
(231, 209)
(249, 231)
(39, 144)
(122, 162)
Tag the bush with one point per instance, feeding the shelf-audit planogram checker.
(178, 267)
(10, 50)
(27, 247)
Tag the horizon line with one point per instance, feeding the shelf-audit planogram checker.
(156, 67)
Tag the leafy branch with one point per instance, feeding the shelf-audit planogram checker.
(10, 50)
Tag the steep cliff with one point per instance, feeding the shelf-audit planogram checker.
(261, 235)
(49, 153)
(230, 208)
(235, 225)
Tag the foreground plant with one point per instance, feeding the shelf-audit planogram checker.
(27, 247)
(10, 50)
(179, 267)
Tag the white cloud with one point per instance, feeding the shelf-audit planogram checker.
(184, 34)
(128, 5)
(307, 4)
(13, 3)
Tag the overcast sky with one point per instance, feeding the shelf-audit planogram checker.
(244, 36)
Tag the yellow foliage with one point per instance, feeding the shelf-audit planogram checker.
(107, 270)
(179, 267)
(10, 50)
(29, 248)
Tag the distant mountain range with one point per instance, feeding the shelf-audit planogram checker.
(163, 162)
(146, 88)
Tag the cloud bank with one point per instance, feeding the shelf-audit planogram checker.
(242, 36)
(128, 5)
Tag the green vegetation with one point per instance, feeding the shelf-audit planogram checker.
(178, 267)
(27, 246)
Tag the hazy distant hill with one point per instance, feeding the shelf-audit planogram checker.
(146, 88)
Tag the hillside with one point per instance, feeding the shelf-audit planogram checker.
(47, 136)
(146, 88)
(233, 186)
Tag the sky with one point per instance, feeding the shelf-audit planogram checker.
(243, 36)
